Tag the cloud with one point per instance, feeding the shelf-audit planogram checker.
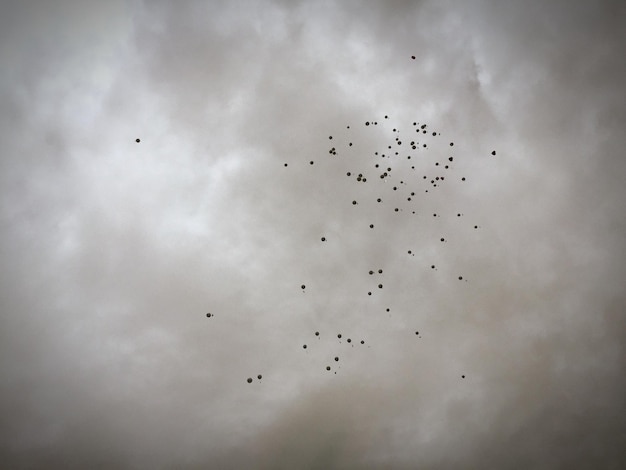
(113, 251)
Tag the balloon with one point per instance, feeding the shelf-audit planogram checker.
(137, 140)
(249, 380)
(259, 376)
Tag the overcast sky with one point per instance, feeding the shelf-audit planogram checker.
(508, 353)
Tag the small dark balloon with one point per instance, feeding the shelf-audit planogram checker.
(462, 376)
(369, 293)
(327, 367)
(304, 346)
(451, 144)
(371, 225)
(285, 164)
(451, 158)
(303, 286)
(209, 315)
(348, 173)
(349, 340)
(396, 209)
(460, 278)
(413, 57)
(367, 123)
(493, 153)
(323, 239)
(317, 333)
(380, 286)
(442, 240)
(433, 266)
(336, 358)
(362, 342)
(339, 336)
(463, 179)
(371, 272)
(417, 332)
(354, 203)
(380, 271)
(259, 376)
(330, 136)
(249, 380)
(137, 140)
(311, 162)
(475, 226)
(350, 144)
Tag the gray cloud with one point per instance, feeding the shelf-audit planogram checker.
(112, 251)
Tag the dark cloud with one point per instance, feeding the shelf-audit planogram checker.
(112, 251)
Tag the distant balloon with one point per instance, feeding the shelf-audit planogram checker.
(362, 342)
(303, 286)
(336, 358)
(249, 380)
(371, 272)
(367, 123)
(413, 57)
(330, 136)
(354, 203)
(349, 340)
(493, 153)
(259, 376)
(380, 271)
(304, 346)
(339, 336)
(443, 240)
(137, 140)
(317, 333)
(462, 376)
(380, 286)
(451, 144)
(327, 367)
(323, 239)
(209, 315)
(417, 332)
(311, 162)
(460, 278)
(371, 225)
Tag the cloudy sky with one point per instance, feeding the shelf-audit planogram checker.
(112, 252)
